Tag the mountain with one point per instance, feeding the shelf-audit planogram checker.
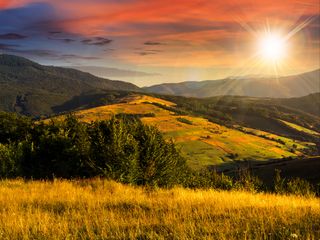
(309, 104)
(282, 87)
(32, 89)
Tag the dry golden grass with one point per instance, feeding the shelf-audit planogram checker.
(99, 209)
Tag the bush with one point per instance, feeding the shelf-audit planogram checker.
(184, 120)
(294, 186)
(298, 186)
(13, 128)
(209, 179)
(248, 182)
(122, 149)
(9, 161)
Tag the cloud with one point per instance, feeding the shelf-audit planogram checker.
(150, 43)
(195, 33)
(74, 56)
(54, 32)
(98, 41)
(35, 52)
(12, 36)
(42, 53)
(4, 46)
(146, 53)
(66, 40)
(33, 17)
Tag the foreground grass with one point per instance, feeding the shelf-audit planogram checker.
(98, 209)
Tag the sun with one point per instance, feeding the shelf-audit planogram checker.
(272, 47)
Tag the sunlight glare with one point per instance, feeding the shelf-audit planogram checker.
(272, 47)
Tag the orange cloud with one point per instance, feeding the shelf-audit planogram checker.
(195, 33)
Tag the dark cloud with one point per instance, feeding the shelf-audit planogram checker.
(98, 41)
(150, 43)
(146, 53)
(12, 36)
(66, 40)
(4, 46)
(34, 52)
(33, 17)
(154, 50)
(42, 53)
(149, 52)
(74, 56)
(54, 32)
(86, 41)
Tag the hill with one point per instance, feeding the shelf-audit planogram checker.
(266, 114)
(282, 87)
(32, 89)
(203, 143)
(309, 104)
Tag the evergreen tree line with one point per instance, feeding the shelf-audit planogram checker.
(122, 149)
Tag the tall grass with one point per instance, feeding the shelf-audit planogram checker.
(100, 209)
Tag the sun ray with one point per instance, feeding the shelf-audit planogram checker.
(299, 27)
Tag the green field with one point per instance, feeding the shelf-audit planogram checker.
(300, 128)
(202, 142)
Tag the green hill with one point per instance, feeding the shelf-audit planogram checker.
(265, 114)
(32, 89)
(202, 142)
(309, 104)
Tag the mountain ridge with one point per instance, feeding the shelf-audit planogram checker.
(33, 89)
(282, 87)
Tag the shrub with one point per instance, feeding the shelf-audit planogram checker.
(9, 161)
(248, 182)
(298, 186)
(184, 120)
(294, 186)
(122, 149)
(209, 179)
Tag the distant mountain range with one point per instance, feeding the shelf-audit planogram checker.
(282, 87)
(32, 89)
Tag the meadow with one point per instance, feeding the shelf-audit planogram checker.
(102, 209)
(201, 142)
(300, 128)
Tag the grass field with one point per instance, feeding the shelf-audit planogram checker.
(202, 142)
(300, 128)
(100, 209)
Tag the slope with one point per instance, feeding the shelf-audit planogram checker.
(33, 89)
(202, 142)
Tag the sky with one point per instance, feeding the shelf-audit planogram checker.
(149, 42)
